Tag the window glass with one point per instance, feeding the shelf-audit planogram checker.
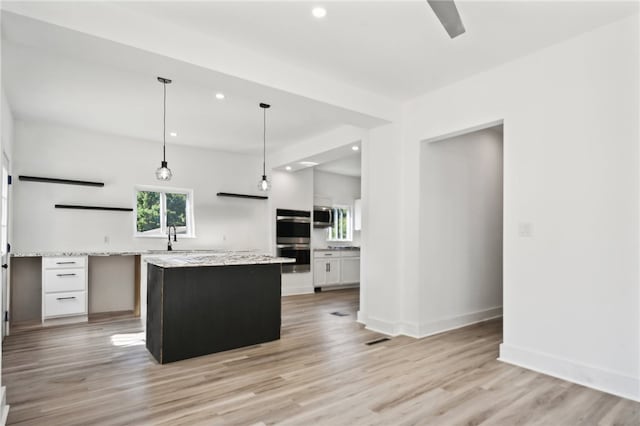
(341, 229)
(177, 212)
(148, 212)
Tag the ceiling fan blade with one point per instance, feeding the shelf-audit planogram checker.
(447, 13)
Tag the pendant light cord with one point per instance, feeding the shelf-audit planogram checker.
(164, 124)
(264, 141)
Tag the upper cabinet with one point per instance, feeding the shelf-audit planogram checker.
(357, 215)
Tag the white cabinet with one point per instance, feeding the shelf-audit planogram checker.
(357, 215)
(64, 287)
(326, 271)
(336, 267)
(350, 270)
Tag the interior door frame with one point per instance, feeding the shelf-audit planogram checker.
(6, 287)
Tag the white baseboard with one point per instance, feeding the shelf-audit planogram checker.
(459, 321)
(585, 375)
(4, 408)
(382, 326)
(418, 331)
(361, 317)
(296, 290)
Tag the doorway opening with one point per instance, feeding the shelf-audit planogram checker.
(461, 229)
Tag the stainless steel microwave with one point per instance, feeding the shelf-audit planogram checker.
(322, 217)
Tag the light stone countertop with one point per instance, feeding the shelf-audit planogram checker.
(216, 259)
(70, 253)
(345, 248)
(78, 253)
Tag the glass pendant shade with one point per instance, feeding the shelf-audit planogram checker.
(163, 172)
(264, 184)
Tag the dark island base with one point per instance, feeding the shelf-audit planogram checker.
(194, 311)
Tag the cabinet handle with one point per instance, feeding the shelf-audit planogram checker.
(65, 263)
(326, 267)
(66, 275)
(65, 298)
(328, 254)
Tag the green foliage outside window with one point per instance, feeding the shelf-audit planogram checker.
(149, 206)
(177, 211)
(341, 229)
(148, 211)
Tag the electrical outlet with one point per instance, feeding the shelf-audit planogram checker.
(525, 229)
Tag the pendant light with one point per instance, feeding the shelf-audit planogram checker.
(163, 172)
(264, 184)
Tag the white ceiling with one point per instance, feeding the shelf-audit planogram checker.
(57, 75)
(342, 160)
(349, 166)
(395, 48)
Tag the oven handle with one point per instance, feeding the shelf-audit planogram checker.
(293, 219)
(294, 246)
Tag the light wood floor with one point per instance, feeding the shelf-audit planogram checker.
(320, 372)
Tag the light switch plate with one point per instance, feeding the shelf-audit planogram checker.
(525, 229)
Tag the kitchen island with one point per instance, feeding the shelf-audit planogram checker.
(201, 304)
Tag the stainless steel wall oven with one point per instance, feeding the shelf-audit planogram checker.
(293, 238)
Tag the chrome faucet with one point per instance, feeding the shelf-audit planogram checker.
(175, 237)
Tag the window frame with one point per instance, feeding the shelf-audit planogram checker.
(349, 237)
(162, 190)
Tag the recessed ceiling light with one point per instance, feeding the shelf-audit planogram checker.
(355, 147)
(308, 163)
(319, 12)
(174, 134)
(288, 168)
(220, 96)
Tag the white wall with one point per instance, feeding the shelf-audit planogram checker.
(381, 276)
(341, 190)
(461, 230)
(63, 152)
(571, 289)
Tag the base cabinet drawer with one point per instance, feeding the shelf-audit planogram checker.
(56, 280)
(62, 304)
(63, 262)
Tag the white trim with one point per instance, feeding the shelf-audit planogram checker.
(382, 326)
(411, 329)
(361, 317)
(453, 323)
(4, 408)
(419, 331)
(586, 375)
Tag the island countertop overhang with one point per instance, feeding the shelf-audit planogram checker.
(217, 259)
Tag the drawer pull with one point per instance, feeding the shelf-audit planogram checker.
(66, 263)
(66, 275)
(65, 298)
(328, 254)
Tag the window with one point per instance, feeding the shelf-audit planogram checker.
(342, 225)
(159, 208)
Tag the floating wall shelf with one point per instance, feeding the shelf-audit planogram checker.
(62, 181)
(254, 197)
(77, 207)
